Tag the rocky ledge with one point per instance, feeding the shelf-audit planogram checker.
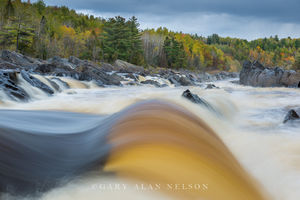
(257, 75)
(15, 66)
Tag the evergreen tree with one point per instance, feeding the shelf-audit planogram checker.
(135, 51)
(175, 54)
(121, 40)
(16, 31)
(115, 39)
(9, 10)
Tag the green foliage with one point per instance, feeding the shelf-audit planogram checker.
(175, 54)
(121, 40)
(297, 61)
(45, 31)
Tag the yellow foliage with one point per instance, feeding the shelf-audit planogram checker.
(67, 31)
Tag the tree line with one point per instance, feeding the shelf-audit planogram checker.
(45, 31)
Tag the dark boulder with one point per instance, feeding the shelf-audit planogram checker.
(211, 86)
(54, 85)
(291, 116)
(8, 65)
(52, 69)
(132, 76)
(180, 80)
(126, 67)
(9, 84)
(82, 73)
(174, 81)
(58, 80)
(19, 60)
(36, 82)
(108, 67)
(196, 99)
(184, 81)
(151, 82)
(89, 73)
(61, 62)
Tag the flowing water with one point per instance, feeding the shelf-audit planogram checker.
(149, 139)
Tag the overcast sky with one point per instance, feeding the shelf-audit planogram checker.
(249, 19)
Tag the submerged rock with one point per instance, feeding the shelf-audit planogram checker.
(291, 116)
(211, 86)
(9, 84)
(196, 99)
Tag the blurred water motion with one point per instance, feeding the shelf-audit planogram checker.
(128, 146)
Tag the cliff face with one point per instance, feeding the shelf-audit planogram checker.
(257, 75)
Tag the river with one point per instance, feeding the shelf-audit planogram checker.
(249, 122)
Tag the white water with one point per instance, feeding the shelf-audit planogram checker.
(251, 127)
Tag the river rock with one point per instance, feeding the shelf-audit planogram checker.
(19, 60)
(62, 62)
(257, 75)
(9, 84)
(126, 67)
(36, 82)
(65, 84)
(151, 82)
(196, 99)
(211, 86)
(178, 80)
(291, 116)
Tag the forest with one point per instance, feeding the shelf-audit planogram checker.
(42, 31)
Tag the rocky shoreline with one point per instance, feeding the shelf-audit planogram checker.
(256, 75)
(14, 65)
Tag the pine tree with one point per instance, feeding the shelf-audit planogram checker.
(175, 54)
(16, 31)
(135, 51)
(119, 38)
(9, 10)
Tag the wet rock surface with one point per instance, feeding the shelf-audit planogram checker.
(152, 82)
(292, 115)
(103, 74)
(211, 86)
(36, 82)
(196, 99)
(9, 84)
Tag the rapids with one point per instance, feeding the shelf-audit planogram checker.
(154, 136)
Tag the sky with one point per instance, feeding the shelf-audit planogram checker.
(247, 19)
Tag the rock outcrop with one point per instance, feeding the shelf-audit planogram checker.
(196, 99)
(291, 116)
(9, 84)
(36, 82)
(15, 65)
(257, 75)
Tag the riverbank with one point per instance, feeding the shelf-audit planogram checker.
(51, 76)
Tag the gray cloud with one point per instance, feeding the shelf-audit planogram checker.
(235, 18)
(279, 10)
